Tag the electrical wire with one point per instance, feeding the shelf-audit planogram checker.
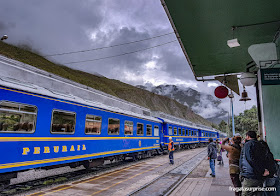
(97, 59)
(80, 51)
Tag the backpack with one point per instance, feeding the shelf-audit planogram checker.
(271, 164)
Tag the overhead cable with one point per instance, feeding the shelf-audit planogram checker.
(97, 59)
(111, 46)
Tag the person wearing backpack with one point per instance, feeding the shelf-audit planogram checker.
(212, 155)
(253, 165)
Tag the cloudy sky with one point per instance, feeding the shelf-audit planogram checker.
(52, 27)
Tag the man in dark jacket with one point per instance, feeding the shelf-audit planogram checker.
(252, 164)
(212, 155)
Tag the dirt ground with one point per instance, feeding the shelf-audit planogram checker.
(201, 170)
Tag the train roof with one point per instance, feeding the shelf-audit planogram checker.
(17, 75)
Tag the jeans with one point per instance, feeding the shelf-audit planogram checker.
(247, 182)
(212, 166)
(171, 157)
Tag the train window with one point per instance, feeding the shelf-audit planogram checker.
(175, 130)
(202, 134)
(63, 122)
(93, 124)
(192, 133)
(114, 126)
(128, 127)
(140, 129)
(156, 131)
(170, 131)
(180, 131)
(16, 117)
(149, 130)
(183, 132)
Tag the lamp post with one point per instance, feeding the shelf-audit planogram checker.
(231, 96)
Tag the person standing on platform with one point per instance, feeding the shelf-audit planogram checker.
(252, 164)
(234, 151)
(212, 155)
(171, 150)
(219, 150)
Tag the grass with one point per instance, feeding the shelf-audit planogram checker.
(110, 86)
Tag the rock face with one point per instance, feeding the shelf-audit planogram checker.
(203, 104)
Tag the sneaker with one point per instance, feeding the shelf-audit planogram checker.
(213, 176)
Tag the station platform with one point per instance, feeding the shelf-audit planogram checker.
(207, 186)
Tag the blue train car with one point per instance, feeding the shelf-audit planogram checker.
(42, 128)
(206, 132)
(184, 133)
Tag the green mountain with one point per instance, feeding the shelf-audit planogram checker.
(114, 87)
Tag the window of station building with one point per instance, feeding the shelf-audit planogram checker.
(140, 129)
(17, 118)
(128, 127)
(113, 126)
(156, 131)
(63, 122)
(183, 132)
(175, 130)
(180, 131)
(93, 124)
(170, 131)
(149, 130)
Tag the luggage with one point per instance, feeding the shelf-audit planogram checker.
(219, 158)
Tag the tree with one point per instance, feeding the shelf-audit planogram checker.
(223, 126)
(215, 126)
(246, 121)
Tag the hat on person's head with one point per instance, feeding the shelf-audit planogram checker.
(170, 138)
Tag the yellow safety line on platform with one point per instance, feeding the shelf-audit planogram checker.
(124, 180)
(89, 180)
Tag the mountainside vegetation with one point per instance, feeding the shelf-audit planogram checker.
(113, 87)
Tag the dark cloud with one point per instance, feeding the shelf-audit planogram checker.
(53, 26)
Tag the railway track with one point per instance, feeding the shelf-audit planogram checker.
(166, 183)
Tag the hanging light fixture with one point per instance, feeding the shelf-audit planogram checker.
(248, 79)
(244, 96)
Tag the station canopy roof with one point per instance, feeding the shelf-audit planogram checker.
(203, 28)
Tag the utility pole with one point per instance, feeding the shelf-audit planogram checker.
(231, 96)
